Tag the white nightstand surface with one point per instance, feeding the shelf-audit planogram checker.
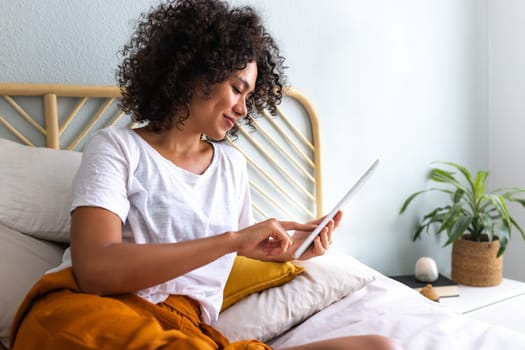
(474, 298)
(509, 313)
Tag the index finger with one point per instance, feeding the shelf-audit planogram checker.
(337, 218)
(292, 225)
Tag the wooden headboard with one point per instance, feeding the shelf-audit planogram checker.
(283, 152)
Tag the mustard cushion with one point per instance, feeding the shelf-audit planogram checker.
(249, 276)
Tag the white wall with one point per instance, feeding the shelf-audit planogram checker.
(64, 41)
(507, 113)
(405, 81)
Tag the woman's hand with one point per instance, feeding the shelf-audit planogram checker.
(269, 239)
(274, 243)
(321, 243)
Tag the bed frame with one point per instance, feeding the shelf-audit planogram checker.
(283, 152)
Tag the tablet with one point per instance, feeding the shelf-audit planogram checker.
(342, 203)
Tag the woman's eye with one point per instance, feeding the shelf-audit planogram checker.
(236, 89)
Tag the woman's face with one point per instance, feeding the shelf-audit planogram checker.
(217, 113)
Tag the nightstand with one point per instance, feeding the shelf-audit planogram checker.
(502, 305)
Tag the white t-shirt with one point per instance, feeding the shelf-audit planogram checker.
(159, 202)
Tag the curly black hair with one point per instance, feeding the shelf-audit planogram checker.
(183, 40)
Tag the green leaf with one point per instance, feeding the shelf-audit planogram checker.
(517, 200)
(518, 227)
(479, 183)
(418, 231)
(503, 238)
(443, 176)
(450, 218)
(458, 195)
(440, 175)
(487, 225)
(459, 228)
(499, 203)
(410, 199)
(463, 170)
(414, 195)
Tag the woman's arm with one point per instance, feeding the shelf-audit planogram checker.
(103, 264)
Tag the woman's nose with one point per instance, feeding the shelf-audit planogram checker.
(240, 107)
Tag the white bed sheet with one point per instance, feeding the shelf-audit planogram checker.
(390, 308)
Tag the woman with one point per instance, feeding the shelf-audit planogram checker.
(159, 212)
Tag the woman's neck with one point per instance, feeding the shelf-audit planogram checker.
(182, 149)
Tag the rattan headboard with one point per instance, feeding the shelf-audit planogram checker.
(283, 152)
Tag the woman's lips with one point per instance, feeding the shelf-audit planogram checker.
(229, 121)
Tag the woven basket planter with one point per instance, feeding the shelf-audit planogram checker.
(476, 264)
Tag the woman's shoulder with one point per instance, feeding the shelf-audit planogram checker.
(115, 132)
(112, 136)
(113, 142)
(228, 151)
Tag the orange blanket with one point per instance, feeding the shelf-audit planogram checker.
(56, 315)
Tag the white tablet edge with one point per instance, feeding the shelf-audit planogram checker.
(342, 203)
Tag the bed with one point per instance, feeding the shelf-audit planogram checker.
(42, 131)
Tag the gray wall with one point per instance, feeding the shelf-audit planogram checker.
(405, 81)
(507, 113)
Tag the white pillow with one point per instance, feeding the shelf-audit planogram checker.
(36, 189)
(23, 260)
(265, 315)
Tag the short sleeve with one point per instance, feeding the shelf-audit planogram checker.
(102, 178)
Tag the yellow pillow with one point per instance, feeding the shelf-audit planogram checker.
(249, 276)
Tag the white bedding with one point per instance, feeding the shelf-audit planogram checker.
(390, 308)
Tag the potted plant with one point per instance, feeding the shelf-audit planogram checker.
(477, 222)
